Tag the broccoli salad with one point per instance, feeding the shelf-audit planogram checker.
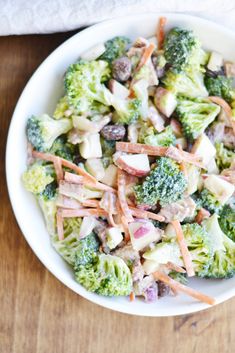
(135, 169)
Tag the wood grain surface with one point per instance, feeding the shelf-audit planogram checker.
(40, 315)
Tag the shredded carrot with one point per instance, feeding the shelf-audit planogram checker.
(148, 51)
(77, 179)
(223, 104)
(90, 203)
(132, 296)
(126, 229)
(136, 212)
(161, 32)
(201, 215)
(83, 212)
(121, 180)
(59, 224)
(183, 167)
(73, 178)
(183, 247)
(158, 275)
(171, 152)
(171, 266)
(58, 169)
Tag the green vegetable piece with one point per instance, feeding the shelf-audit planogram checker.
(62, 148)
(37, 177)
(220, 86)
(149, 136)
(224, 156)
(115, 48)
(227, 221)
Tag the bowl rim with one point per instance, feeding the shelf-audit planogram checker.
(102, 301)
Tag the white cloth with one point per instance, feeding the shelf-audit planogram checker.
(46, 16)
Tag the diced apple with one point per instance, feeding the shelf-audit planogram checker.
(142, 233)
(204, 149)
(110, 176)
(134, 164)
(118, 90)
(229, 69)
(114, 237)
(95, 167)
(94, 52)
(150, 266)
(215, 62)
(193, 174)
(91, 147)
(87, 226)
(219, 187)
(176, 127)
(156, 118)
(82, 123)
(165, 101)
(212, 167)
(133, 133)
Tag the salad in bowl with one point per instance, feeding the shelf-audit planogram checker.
(135, 169)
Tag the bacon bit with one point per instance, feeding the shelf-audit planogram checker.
(161, 32)
(59, 224)
(201, 215)
(171, 266)
(146, 214)
(132, 296)
(58, 169)
(223, 104)
(121, 180)
(148, 51)
(176, 286)
(84, 212)
(171, 152)
(91, 203)
(183, 248)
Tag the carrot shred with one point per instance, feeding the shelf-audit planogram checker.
(148, 51)
(126, 229)
(59, 224)
(91, 203)
(171, 266)
(201, 215)
(73, 178)
(223, 104)
(176, 286)
(83, 212)
(132, 296)
(121, 180)
(58, 169)
(171, 152)
(161, 31)
(182, 164)
(77, 179)
(183, 248)
(146, 214)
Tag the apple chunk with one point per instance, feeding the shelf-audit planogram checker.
(134, 164)
(142, 233)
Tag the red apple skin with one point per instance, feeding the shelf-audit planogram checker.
(130, 170)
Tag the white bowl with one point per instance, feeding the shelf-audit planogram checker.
(40, 95)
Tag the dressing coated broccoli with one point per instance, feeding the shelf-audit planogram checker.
(149, 136)
(61, 107)
(42, 131)
(115, 48)
(227, 221)
(62, 148)
(196, 115)
(37, 177)
(108, 276)
(223, 264)
(165, 183)
(207, 200)
(219, 86)
(224, 156)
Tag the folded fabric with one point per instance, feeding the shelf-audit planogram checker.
(46, 16)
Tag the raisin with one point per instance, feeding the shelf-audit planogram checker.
(163, 289)
(121, 69)
(113, 132)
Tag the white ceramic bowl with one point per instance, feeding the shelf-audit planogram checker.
(40, 95)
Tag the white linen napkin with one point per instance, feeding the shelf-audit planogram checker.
(46, 16)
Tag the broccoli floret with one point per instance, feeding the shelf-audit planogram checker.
(223, 264)
(227, 221)
(179, 277)
(224, 156)
(196, 115)
(50, 191)
(87, 250)
(43, 130)
(37, 177)
(198, 243)
(48, 207)
(115, 48)
(207, 200)
(61, 107)
(149, 136)
(108, 276)
(219, 86)
(179, 47)
(84, 84)
(189, 84)
(127, 111)
(62, 148)
(72, 225)
(165, 183)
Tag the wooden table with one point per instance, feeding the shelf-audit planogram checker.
(38, 314)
